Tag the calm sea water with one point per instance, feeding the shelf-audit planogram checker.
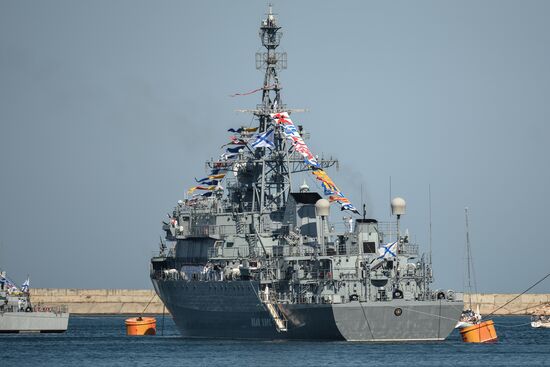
(101, 341)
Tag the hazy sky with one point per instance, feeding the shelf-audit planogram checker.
(108, 109)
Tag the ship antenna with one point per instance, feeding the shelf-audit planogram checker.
(430, 219)
(390, 197)
(272, 61)
(162, 247)
(364, 205)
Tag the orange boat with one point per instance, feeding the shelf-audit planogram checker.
(141, 326)
(484, 332)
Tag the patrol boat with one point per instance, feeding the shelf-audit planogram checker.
(260, 257)
(19, 315)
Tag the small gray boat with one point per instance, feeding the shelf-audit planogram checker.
(19, 315)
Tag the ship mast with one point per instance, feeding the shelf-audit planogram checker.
(269, 184)
(275, 177)
(469, 260)
(272, 61)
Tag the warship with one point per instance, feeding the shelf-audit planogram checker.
(19, 315)
(261, 258)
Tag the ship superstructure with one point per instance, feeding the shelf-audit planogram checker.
(252, 253)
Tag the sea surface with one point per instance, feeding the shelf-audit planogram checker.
(101, 341)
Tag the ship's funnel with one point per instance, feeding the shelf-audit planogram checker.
(398, 206)
(322, 208)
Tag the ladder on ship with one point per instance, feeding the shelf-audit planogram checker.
(274, 310)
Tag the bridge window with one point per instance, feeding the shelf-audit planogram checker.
(369, 247)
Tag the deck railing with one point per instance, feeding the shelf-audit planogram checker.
(39, 307)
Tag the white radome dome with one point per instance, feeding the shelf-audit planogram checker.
(322, 207)
(398, 206)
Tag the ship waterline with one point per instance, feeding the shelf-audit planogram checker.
(233, 310)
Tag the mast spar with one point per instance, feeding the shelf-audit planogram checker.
(469, 260)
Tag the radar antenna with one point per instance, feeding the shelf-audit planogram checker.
(272, 61)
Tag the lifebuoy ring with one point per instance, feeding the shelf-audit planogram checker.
(28, 309)
(397, 294)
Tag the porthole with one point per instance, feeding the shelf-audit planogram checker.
(397, 311)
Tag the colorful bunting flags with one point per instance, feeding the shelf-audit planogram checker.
(211, 182)
(291, 133)
(217, 176)
(329, 187)
(233, 150)
(226, 157)
(207, 188)
(235, 141)
(243, 130)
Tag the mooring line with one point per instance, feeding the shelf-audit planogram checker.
(367, 320)
(430, 314)
(522, 293)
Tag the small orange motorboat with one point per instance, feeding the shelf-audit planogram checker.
(141, 326)
(483, 332)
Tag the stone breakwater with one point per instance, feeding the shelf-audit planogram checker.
(135, 301)
(100, 301)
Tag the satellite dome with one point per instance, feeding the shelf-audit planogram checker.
(322, 207)
(398, 206)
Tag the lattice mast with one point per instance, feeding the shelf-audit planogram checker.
(279, 163)
(270, 35)
(275, 176)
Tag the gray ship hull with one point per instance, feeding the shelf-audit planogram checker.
(25, 322)
(397, 320)
(233, 310)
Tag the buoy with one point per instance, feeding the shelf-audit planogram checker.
(484, 332)
(141, 326)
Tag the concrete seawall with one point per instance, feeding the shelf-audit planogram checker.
(100, 301)
(135, 301)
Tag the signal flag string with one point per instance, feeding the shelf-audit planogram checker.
(251, 92)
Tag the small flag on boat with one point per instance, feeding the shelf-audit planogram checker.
(25, 285)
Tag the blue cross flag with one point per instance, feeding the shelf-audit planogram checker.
(388, 250)
(26, 285)
(264, 140)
